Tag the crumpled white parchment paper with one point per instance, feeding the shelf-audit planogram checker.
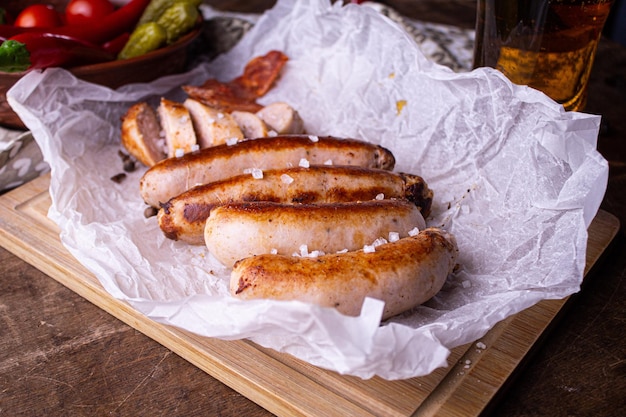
(516, 179)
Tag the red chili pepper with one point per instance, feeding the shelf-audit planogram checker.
(32, 50)
(8, 31)
(110, 26)
(115, 45)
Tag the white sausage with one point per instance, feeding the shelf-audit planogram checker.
(236, 231)
(403, 274)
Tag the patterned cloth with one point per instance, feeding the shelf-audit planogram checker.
(450, 46)
(21, 159)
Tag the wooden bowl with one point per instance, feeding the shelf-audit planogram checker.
(168, 60)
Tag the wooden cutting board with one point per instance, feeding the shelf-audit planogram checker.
(476, 373)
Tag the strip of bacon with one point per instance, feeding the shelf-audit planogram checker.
(241, 93)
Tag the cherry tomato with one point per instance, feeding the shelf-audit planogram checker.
(38, 15)
(80, 12)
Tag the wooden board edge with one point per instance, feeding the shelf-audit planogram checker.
(217, 358)
(448, 402)
(234, 374)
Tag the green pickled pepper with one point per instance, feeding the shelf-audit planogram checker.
(162, 22)
(145, 38)
(156, 8)
(178, 19)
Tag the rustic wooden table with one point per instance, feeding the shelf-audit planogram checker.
(62, 356)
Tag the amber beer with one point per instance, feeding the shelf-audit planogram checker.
(546, 44)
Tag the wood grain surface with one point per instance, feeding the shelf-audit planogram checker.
(267, 377)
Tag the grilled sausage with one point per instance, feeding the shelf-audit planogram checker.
(141, 134)
(281, 118)
(212, 127)
(177, 125)
(240, 230)
(173, 176)
(183, 217)
(250, 124)
(403, 274)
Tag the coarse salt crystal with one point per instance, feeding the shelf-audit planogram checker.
(274, 251)
(314, 138)
(304, 163)
(272, 133)
(342, 251)
(414, 231)
(210, 121)
(231, 141)
(315, 254)
(220, 115)
(481, 345)
(195, 147)
(179, 152)
(286, 179)
(328, 162)
(380, 196)
(394, 236)
(369, 249)
(304, 250)
(379, 241)
(256, 172)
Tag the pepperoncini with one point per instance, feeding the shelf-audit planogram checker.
(178, 19)
(162, 22)
(145, 38)
(156, 8)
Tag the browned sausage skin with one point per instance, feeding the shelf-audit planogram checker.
(403, 274)
(141, 134)
(183, 217)
(173, 176)
(239, 230)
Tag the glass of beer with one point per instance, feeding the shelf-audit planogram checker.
(549, 45)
